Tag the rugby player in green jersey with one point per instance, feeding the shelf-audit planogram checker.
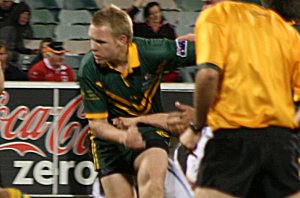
(121, 77)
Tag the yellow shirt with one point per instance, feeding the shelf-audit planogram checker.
(258, 54)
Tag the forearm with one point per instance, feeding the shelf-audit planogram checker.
(205, 90)
(297, 116)
(104, 130)
(158, 120)
(1, 80)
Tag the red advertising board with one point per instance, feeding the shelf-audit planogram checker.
(42, 137)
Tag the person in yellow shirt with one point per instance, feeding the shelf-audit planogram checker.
(245, 89)
(12, 193)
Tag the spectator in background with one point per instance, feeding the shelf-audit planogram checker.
(11, 72)
(8, 8)
(52, 67)
(154, 26)
(41, 52)
(16, 29)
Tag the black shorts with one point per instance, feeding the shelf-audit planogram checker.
(110, 158)
(251, 162)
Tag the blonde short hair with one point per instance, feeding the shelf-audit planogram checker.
(118, 20)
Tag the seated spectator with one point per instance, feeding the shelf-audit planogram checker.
(52, 67)
(15, 28)
(41, 52)
(154, 26)
(11, 72)
(8, 9)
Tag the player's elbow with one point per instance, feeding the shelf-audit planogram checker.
(208, 74)
(1, 87)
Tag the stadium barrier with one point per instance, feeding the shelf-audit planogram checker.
(43, 131)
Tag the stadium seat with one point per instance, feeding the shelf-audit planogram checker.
(73, 60)
(124, 4)
(41, 31)
(79, 5)
(169, 5)
(32, 43)
(77, 46)
(42, 4)
(171, 16)
(42, 16)
(187, 18)
(74, 17)
(73, 32)
(182, 30)
(24, 61)
(189, 5)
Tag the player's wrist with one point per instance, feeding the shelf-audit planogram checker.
(195, 127)
(122, 138)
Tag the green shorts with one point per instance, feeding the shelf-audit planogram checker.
(112, 158)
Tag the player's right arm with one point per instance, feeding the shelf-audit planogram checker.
(130, 138)
(104, 130)
(1, 80)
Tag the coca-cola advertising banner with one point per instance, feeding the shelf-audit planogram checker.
(42, 137)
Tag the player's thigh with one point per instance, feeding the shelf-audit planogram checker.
(118, 185)
(210, 193)
(151, 164)
(295, 195)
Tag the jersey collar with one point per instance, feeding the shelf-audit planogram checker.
(133, 60)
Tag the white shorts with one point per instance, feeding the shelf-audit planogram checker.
(193, 160)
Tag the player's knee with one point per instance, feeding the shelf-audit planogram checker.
(155, 187)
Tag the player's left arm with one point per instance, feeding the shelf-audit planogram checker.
(1, 79)
(297, 116)
(157, 119)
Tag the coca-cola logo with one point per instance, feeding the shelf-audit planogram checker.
(51, 124)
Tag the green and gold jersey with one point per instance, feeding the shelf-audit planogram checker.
(107, 93)
(258, 55)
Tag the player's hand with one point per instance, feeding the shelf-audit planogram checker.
(178, 122)
(134, 139)
(189, 139)
(125, 122)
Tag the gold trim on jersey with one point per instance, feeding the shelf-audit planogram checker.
(96, 115)
(133, 60)
(163, 134)
(99, 84)
(94, 152)
(145, 105)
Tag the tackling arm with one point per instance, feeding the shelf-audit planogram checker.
(1, 80)
(130, 138)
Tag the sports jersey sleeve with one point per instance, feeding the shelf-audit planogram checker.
(211, 38)
(166, 54)
(92, 92)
